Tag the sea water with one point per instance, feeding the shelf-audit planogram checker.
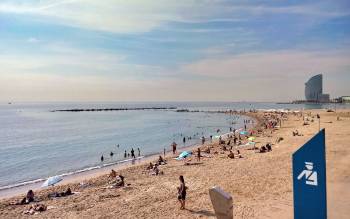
(36, 143)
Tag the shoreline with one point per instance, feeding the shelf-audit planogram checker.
(80, 175)
(88, 173)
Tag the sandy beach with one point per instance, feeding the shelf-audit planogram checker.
(260, 183)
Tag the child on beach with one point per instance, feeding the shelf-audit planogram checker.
(182, 192)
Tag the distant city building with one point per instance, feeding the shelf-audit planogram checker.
(314, 90)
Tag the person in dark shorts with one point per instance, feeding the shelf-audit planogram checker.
(182, 192)
(132, 153)
(198, 154)
(174, 147)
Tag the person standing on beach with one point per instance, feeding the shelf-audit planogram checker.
(132, 153)
(125, 154)
(198, 154)
(182, 192)
(102, 158)
(174, 147)
(139, 152)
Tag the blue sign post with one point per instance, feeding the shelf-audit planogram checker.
(309, 179)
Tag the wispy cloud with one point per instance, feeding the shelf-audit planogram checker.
(141, 16)
(139, 50)
(271, 64)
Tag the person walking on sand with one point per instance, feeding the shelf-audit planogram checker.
(132, 153)
(182, 192)
(198, 154)
(174, 147)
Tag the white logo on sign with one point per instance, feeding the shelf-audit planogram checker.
(310, 176)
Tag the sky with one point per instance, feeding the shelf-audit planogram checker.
(183, 50)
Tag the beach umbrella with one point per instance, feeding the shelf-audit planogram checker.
(251, 138)
(184, 155)
(243, 133)
(52, 181)
(238, 130)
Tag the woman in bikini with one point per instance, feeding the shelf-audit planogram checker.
(182, 192)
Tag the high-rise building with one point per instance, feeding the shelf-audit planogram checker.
(314, 90)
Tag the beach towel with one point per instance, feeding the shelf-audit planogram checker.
(184, 155)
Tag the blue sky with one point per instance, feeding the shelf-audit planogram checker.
(60, 50)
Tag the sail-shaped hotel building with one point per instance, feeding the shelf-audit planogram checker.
(314, 90)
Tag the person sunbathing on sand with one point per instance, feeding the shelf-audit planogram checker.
(268, 147)
(262, 149)
(26, 200)
(60, 194)
(150, 166)
(155, 170)
(113, 174)
(161, 161)
(119, 181)
(231, 155)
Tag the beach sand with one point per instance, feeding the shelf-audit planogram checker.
(260, 183)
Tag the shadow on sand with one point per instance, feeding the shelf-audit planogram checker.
(191, 164)
(202, 212)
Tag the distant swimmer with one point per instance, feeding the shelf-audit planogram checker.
(111, 154)
(117, 145)
(102, 158)
(125, 154)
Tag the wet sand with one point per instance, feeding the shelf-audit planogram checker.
(260, 183)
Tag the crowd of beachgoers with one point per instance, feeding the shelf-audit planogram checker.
(233, 145)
